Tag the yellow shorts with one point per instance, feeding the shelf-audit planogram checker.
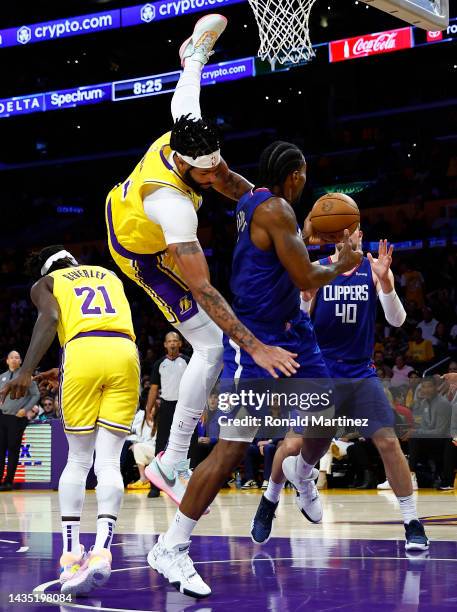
(157, 274)
(99, 384)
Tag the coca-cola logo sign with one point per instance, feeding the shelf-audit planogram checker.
(371, 44)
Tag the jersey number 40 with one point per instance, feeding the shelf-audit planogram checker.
(347, 312)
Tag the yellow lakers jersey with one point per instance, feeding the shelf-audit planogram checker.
(130, 225)
(90, 298)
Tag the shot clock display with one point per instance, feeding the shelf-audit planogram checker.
(146, 86)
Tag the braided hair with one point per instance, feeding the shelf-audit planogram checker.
(277, 161)
(194, 137)
(36, 260)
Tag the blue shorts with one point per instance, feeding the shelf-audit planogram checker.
(299, 337)
(360, 395)
(308, 391)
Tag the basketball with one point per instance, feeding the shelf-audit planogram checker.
(333, 213)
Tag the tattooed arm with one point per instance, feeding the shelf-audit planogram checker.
(193, 266)
(231, 184)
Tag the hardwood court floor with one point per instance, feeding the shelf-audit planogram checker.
(354, 560)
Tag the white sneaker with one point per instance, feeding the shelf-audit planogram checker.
(264, 485)
(171, 479)
(249, 484)
(308, 499)
(414, 482)
(93, 573)
(177, 567)
(384, 486)
(206, 32)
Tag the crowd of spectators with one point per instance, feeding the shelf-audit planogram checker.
(426, 343)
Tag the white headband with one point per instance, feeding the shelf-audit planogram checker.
(59, 255)
(204, 161)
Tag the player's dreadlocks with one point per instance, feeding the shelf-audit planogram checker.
(277, 161)
(37, 259)
(194, 137)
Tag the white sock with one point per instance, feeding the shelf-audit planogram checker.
(184, 423)
(70, 535)
(72, 488)
(408, 508)
(273, 491)
(304, 469)
(105, 531)
(179, 531)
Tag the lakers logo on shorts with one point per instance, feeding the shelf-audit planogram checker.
(185, 304)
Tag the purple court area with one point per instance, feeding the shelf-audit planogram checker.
(285, 575)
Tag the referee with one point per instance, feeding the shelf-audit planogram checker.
(13, 420)
(166, 376)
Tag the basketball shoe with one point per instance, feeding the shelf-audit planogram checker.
(263, 521)
(415, 536)
(307, 500)
(172, 480)
(200, 45)
(177, 567)
(70, 564)
(94, 572)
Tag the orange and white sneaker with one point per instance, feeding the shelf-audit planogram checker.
(70, 564)
(93, 573)
(200, 45)
(139, 484)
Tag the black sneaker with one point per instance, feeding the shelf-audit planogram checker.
(415, 536)
(263, 520)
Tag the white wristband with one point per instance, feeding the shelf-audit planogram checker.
(393, 308)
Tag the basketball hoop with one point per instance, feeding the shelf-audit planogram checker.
(283, 30)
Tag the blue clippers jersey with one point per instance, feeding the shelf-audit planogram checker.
(344, 314)
(262, 289)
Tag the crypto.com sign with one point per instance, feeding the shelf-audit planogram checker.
(371, 44)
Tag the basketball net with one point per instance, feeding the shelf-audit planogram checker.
(283, 30)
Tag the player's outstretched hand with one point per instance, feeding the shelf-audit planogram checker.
(381, 265)
(16, 388)
(350, 255)
(273, 358)
(51, 377)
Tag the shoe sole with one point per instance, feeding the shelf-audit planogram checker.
(305, 514)
(200, 21)
(252, 537)
(160, 483)
(177, 585)
(95, 578)
(414, 546)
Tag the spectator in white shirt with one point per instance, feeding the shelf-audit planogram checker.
(400, 372)
(143, 447)
(428, 325)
